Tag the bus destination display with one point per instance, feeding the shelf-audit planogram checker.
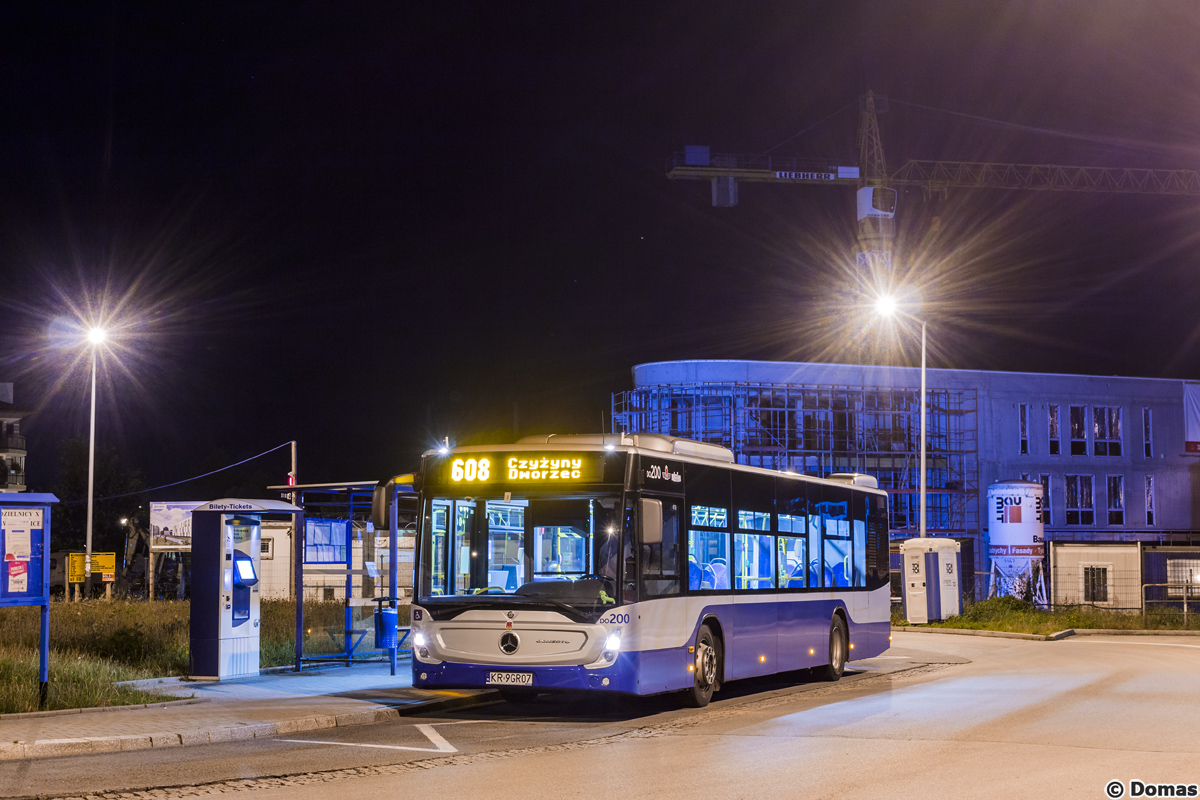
(525, 468)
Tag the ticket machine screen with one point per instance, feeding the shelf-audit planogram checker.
(245, 570)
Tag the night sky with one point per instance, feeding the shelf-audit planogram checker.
(369, 226)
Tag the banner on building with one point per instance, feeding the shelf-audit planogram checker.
(171, 525)
(1191, 418)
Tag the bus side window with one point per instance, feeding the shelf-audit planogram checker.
(861, 507)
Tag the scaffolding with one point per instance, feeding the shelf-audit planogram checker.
(817, 429)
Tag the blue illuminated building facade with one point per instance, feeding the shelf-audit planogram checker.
(1110, 452)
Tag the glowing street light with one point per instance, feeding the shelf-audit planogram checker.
(96, 338)
(886, 306)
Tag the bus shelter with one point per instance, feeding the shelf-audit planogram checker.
(351, 574)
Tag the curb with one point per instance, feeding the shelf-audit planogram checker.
(107, 744)
(973, 632)
(1038, 637)
(187, 701)
(1126, 632)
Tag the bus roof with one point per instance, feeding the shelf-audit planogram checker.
(653, 444)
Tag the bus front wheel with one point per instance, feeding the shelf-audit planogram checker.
(705, 669)
(838, 648)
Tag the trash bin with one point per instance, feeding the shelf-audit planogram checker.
(385, 628)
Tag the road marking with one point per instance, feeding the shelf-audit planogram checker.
(440, 744)
(906, 657)
(1145, 644)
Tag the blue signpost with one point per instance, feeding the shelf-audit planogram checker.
(25, 581)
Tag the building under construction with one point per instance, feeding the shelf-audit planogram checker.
(1109, 452)
(817, 423)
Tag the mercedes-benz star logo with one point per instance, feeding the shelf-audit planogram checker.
(509, 643)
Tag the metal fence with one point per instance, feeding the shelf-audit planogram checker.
(1170, 600)
(1103, 586)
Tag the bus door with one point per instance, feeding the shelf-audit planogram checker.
(464, 530)
(505, 544)
(659, 556)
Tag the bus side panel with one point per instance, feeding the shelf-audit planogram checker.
(661, 636)
(798, 631)
(870, 623)
(754, 650)
(663, 670)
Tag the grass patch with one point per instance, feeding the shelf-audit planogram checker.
(75, 682)
(95, 643)
(1019, 616)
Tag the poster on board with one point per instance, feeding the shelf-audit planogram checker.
(171, 525)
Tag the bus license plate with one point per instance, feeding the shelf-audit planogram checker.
(510, 678)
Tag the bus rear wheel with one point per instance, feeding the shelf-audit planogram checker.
(838, 648)
(705, 669)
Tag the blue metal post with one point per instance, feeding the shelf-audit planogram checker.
(348, 614)
(298, 580)
(44, 646)
(393, 567)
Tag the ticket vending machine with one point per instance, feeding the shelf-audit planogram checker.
(932, 590)
(226, 563)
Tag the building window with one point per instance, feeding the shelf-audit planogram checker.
(1183, 573)
(1116, 499)
(1046, 505)
(1024, 425)
(1080, 510)
(1055, 440)
(1147, 428)
(1149, 499)
(1078, 431)
(1095, 584)
(1106, 430)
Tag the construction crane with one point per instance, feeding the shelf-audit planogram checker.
(876, 186)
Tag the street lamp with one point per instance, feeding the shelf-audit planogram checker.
(96, 338)
(887, 306)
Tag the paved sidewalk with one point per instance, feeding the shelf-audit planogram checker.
(269, 705)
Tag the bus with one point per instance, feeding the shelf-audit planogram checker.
(640, 564)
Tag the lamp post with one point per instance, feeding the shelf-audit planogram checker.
(887, 307)
(95, 337)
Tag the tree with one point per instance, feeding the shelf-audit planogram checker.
(112, 477)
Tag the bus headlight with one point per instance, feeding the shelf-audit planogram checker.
(613, 642)
(418, 639)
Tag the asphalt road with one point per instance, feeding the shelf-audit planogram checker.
(938, 716)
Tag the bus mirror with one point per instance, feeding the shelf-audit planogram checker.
(381, 506)
(651, 513)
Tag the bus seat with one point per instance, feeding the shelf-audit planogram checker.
(796, 577)
(694, 574)
(720, 575)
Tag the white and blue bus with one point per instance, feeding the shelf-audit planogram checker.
(640, 564)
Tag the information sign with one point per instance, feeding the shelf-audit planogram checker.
(104, 564)
(25, 570)
(75, 567)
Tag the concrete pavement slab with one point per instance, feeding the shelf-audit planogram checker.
(266, 706)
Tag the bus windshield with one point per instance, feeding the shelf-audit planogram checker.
(554, 551)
